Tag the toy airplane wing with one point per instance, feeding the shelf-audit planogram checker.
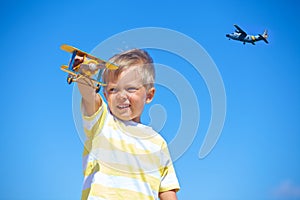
(80, 53)
(239, 30)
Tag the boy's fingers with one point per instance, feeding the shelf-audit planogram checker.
(85, 81)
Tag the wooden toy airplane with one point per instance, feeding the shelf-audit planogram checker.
(91, 66)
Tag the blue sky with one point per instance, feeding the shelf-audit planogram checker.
(257, 155)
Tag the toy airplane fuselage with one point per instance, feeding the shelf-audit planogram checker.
(91, 65)
(242, 36)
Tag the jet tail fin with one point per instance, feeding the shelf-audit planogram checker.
(264, 36)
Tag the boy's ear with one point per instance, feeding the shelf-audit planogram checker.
(150, 95)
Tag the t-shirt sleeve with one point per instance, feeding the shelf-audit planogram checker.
(94, 123)
(169, 179)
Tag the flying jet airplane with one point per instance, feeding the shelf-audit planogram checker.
(241, 35)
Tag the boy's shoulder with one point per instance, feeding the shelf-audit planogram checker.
(138, 130)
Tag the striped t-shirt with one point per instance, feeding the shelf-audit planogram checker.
(124, 160)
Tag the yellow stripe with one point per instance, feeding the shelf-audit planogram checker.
(127, 168)
(170, 187)
(85, 193)
(91, 168)
(115, 144)
(87, 148)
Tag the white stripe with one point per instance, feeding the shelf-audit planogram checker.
(95, 198)
(168, 180)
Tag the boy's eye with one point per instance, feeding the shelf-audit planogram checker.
(112, 90)
(132, 89)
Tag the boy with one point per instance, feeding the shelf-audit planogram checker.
(124, 159)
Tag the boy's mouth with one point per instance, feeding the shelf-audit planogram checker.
(123, 106)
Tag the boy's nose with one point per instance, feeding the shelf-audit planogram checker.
(122, 94)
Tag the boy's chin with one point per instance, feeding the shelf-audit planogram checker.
(129, 118)
(123, 117)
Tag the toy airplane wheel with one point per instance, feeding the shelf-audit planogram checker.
(69, 80)
(97, 88)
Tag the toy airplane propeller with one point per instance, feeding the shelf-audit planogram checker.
(77, 70)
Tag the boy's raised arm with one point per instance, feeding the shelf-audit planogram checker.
(91, 101)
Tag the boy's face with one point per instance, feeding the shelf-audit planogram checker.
(126, 95)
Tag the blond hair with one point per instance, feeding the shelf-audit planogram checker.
(129, 58)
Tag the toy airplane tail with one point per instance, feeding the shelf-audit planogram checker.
(264, 36)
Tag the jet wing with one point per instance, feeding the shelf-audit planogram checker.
(239, 30)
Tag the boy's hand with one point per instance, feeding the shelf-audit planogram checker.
(91, 101)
